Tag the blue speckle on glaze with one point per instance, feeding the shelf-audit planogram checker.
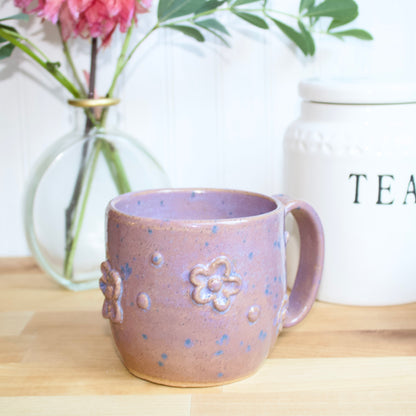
(160, 363)
(126, 270)
(138, 202)
(220, 374)
(262, 335)
(164, 356)
(117, 225)
(219, 352)
(131, 303)
(248, 348)
(149, 231)
(224, 340)
(188, 343)
(275, 279)
(215, 229)
(241, 343)
(206, 244)
(230, 214)
(250, 256)
(276, 244)
(193, 195)
(144, 336)
(268, 291)
(162, 203)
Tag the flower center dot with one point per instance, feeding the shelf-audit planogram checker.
(214, 284)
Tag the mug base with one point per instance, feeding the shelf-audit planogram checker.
(184, 384)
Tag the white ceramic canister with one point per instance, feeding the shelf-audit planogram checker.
(352, 156)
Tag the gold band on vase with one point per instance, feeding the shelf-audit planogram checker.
(93, 102)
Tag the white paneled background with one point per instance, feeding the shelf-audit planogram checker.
(213, 116)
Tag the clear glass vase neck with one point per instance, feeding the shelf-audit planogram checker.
(95, 118)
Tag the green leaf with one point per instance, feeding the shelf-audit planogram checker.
(216, 34)
(188, 31)
(9, 28)
(306, 5)
(296, 37)
(308, 38)
(251, 18)
(6, 50)
(2, 40)
(169, 9)
(213, 24)
(210, 5)
(340, 10)
(18, 16)
(241, 2)
(336, 22)
(356, 33)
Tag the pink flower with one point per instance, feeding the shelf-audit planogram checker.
(87, 18)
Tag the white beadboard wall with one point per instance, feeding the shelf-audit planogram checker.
(213, 116)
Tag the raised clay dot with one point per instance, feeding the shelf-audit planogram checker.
(214, 284)
(143, 301)
(157, 259)
(253, 313)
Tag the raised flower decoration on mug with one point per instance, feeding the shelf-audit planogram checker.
(111, 286)
(281, 314)
(215, 283)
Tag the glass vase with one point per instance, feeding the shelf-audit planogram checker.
(70, 187)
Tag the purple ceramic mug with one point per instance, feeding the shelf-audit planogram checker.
(195, 281)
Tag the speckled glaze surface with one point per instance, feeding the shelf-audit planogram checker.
(195, 281)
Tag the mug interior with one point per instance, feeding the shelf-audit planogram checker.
(194, 205)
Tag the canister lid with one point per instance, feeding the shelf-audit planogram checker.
(358, 91)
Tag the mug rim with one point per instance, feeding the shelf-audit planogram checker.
(186, 221)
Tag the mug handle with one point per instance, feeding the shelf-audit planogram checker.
(311, 261)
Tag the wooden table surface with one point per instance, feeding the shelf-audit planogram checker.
(57, 358)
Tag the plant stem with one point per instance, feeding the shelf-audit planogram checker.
(110, 153)
(69, 260)
(122, 60)
(194, 17)
(31, 44)
(268, 11)
(93, 74)
(71, 210)
(68, 56)
(49, 66)
(116, 167)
